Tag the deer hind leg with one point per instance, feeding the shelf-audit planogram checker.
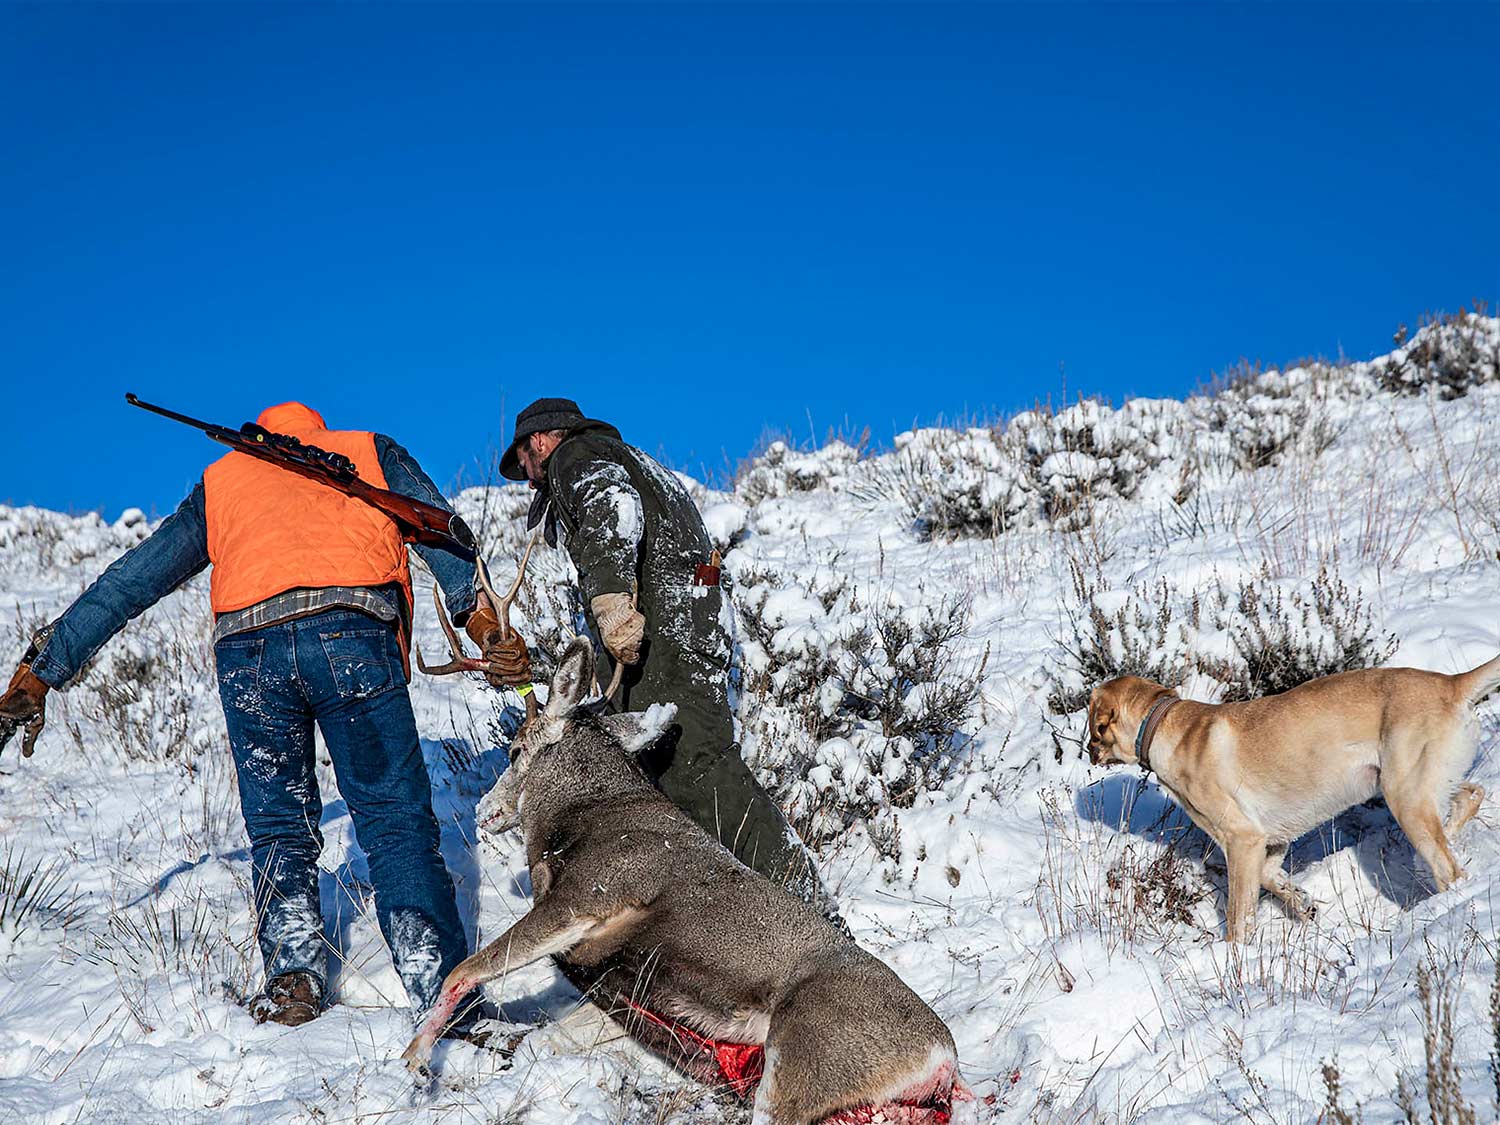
(844, 1039)
(547, 929)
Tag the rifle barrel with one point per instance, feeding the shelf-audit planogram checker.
(206, 427)
(420, 522)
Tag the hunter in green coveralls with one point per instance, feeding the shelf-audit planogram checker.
(638, 542)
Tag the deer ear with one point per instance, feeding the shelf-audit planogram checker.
(574, 674)
(636, 730)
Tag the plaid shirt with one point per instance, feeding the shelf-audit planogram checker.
(304, 602)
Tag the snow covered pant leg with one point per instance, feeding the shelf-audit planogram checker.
(353, 669)
(271, 738)
(709, 781)
(698, 765)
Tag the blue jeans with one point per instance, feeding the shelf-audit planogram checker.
(342, 670)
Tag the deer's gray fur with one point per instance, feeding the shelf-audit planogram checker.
(631, 895)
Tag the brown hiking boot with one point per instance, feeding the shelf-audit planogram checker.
(291, 999)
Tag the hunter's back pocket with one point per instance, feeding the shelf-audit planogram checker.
(359, 660)
(237, 663)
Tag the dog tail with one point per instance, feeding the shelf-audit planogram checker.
(1474, 685)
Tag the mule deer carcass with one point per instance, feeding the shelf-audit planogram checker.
(700, 958)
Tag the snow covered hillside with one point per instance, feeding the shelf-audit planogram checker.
(918, 630)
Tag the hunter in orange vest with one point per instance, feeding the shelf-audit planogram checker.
(270, 531)
(312, 602)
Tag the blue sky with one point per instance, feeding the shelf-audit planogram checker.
(704, 221)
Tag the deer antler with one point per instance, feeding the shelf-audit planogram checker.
(502, 605)
(614, 682)
(619, 673)
(462, 663)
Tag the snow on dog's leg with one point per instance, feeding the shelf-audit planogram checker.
(1463, 806)
(1274, 878)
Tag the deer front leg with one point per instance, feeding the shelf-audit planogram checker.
(546, 929)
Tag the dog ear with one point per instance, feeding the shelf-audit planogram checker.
(574, 674)
(1101, 718)
(636, 730)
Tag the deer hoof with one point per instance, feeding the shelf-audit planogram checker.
(416, 1061)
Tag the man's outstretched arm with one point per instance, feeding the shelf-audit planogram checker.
(138, 579)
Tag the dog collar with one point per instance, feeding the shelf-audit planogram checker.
(1143, 737)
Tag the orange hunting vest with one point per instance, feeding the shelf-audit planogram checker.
(270, 530)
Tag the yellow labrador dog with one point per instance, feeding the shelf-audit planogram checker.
(1257, 775)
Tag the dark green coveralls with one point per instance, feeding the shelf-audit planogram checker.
(631, 526)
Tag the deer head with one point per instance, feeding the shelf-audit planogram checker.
(570, 720)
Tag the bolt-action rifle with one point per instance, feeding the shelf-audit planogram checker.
(419, 522)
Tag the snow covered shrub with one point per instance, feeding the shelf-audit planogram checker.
(952, 484)
(1453, 353)
(1258, 640)
(724, 519)
(1282, 639)
(147, 692)
(1255, 417)
(36, 538)
(1142, 631)
(1151, 890)
(782, 470)
(1090, 451)
(848, 712)
(786, 635)
(897, 669)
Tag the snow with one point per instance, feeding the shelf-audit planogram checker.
(724, 520)
(1007, 892)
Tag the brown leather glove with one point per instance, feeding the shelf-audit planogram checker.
(23, 704)
(508, 654)
(622, 627)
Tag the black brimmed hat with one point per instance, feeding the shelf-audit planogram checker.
(542, 415)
